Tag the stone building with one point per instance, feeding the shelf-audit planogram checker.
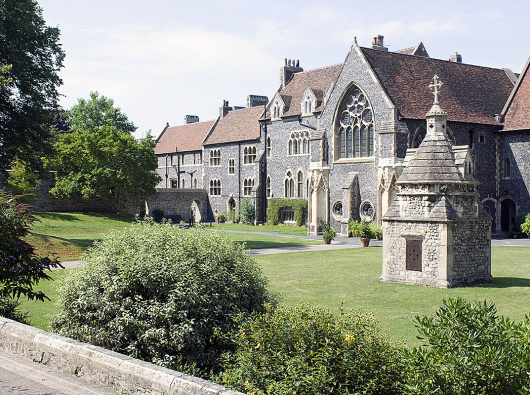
(436, 232)
(337, 136)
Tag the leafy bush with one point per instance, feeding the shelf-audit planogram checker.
(375, 230)
(308, 350)
(363, 230)
(274, 207)
(158, 215)
(221, 218)
(20, 267)
(352, 227)
(246, 211)
(328, 233)
(162, 294)
(469, 349)
(525, 226)
(519, 220)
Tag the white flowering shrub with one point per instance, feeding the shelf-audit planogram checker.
(162, 294)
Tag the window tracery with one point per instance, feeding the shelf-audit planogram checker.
(299, 143)
(215, 187)
(249, 155)
(215, 157)
(289, 185)
(248, 184)
(355, 126)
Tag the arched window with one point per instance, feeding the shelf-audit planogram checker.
(507, 168)
(300, 184)
(268, 187)
(183, 183)
(418, 137)
(215, 157)
(215, 187)
(231, 166)
(249, 155)
(248, 183)
(195, 183)
(289, 185)
(355, 126)
(268, 147)
(299, 143)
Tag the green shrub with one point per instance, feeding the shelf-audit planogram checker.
(328, 233)
(375, 230)
(519, 220)
(525, 226)
(158, 215)
(352, 227)
(246, 211)
(308, 350)
(364, 230)
(274, 207)
(162, 294)
(469, 349)
(221, 218)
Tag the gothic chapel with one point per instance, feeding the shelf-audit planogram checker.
(338, 137)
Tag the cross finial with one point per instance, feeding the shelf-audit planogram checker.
(435, 87)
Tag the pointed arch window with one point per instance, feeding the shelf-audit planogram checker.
(249, 155)
(268, 147)
(215, 157)
(215, 187)
(248, 184)
(507, 168)
(300, 185)
(289, 185)
(299, 143)
(355, 126)
(268, 187)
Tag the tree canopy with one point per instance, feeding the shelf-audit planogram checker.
(31, 57)
(96, 112)
(102, 163)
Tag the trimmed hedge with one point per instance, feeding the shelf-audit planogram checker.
(276, 205)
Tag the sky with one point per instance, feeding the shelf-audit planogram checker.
(161, 60)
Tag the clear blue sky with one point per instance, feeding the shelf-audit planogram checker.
(163, 59)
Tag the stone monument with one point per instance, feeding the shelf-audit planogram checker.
(436, 232)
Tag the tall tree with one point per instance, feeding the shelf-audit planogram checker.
(96, 112)
(29, 97)
(102, 163)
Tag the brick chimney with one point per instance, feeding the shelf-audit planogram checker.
(378, 43)
(254, 100)
(288, 70)
(191, 119)
(456, 58)
(226, 108)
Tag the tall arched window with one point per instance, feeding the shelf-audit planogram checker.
(215, 157)
(507, 168)
(268, 187)
(249, 155)
(268, 147)
(248, 184)
(355, 126)
(300, 185)
(299, 143)
(289, 185)
(215, 187)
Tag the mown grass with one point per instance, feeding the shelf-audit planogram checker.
(352, 275)
(282, 229)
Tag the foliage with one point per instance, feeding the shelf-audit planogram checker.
(30, 59)
(97, 112)
(232, 216)
(221, 218)
(9, 308)
(162, 294)
(361, 229)
(103, 163)
(469, 349)
(275, 205)
(246, 211)
(20, 267)
(308, 350)
(525, 226)
(22, 179)
(328, 233)
(375, 230)
(158, 215)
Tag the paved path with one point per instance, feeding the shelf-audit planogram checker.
(20, 376)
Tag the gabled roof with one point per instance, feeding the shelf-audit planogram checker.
(319, 80)
(185, 138)
(472, 94)
(517, 109)
(237, 125)
(418, 50)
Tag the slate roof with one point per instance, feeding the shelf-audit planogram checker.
(517, 110)
(433, 162)
(319, 80)
(237, 125)
(186, 137)
(472, 94)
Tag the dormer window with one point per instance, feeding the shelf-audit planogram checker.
(308, 103)
(276, 112)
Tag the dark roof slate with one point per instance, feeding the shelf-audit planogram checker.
(471, 94)
(517, 113)
(186, 138)
(237, 125)
(319, 80)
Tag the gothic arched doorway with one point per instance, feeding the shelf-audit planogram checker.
(232, 207)
(507, 214)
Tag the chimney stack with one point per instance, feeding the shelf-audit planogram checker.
(456, 58)
(288, 70)
(191, 119)
(378, 44)
(254, 100)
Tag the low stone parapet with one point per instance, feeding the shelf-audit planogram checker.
(98, 365)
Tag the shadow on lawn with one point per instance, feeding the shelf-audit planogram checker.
(57, 216)
(257, 244)
(83, 243)
(508, 282)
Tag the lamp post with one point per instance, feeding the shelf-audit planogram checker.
(191, 173)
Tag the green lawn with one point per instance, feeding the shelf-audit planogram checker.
(287, 230)
(352, 276)
(256, 241)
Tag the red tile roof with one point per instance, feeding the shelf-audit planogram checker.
(418, 50)
(470, 93)
(237, 125)
(319, 80)
(517, 110)
(185, 138)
